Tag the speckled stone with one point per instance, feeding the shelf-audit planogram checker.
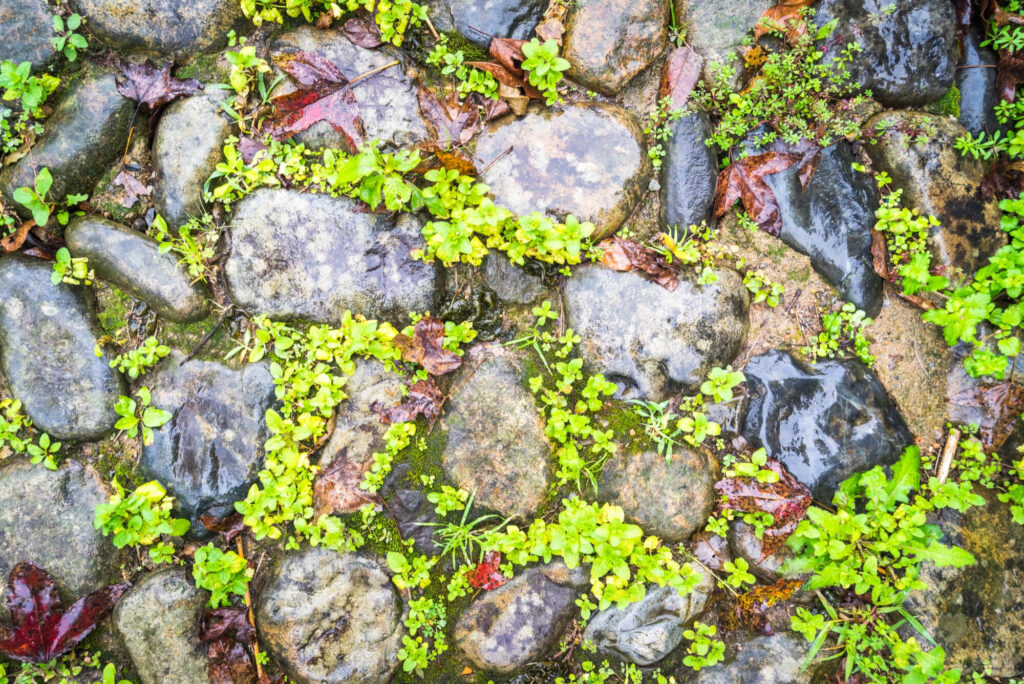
(776, 659)
(478, 20)
(717, 28)
(588, 160)
(27, 26)
(133, 262)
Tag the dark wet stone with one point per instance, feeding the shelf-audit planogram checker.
(909, 55)
(46, 519)
(670, 500)
(331, 617)
(475, 19)
(162, 28)
(776, 659)
(608, 42)
(510, 282)
(745, 544)
(830, 221)
(650, 341)
(85, 134)
(689, 172)
(186, 150)
(132, 262)
(717, 28)
(496, 445)
(48, 335)
(977, 84)
(27, 26)
(387, 100)
(588, 160)
(938, 180)
(647, 631)
(513, 625)
(210, 452)
(157, 620)
(974, 613)
(414, 516)
(300, 255)
(824, 422)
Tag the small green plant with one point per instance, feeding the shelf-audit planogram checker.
(703, 650)
(31, 91)
(426, 639)
(142, 518)
(447, 500)
(842, 333)
(195, 244)
(466, 536)
(658, 127)
(409, 574)
(34, 199)
(222, 573)
(738, 575)
(67, 40)
(16, 434)
(138, 416)
(71, 271)
(44, 451)
(720, 384)
(136, 362)
(468, 79)
(544, 67)
(393, 17)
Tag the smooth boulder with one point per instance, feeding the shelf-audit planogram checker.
(478, 20)
(689, 173)
(27, 26)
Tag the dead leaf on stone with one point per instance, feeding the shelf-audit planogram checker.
(1000, 406)
(362, 30)
(623, 254)
(750, 610)
(438, 155)
(495, 109)
(517, 102)
(151, 86)
(550, 29)
(424, 399)
(680, 75)
(15, 240)
(249, 148)
(337, 490)
(228, 528)
(509, 53)
(228, 633)
(784, 18)
(453, 122)
(133, 187)
(426, 347)
(500, 72)
(710, 549)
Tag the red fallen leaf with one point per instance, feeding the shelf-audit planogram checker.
(501, 73)
(623, 254)
(228, 662)
(1009, 74)
(229, 621)
(781, 18)
(133, 187)
(509, 53)
(362, 30)
(786, 500)
(12, 242)
(151, 86)
(453, 121)
(323, 94)
(680, 75)
(337, 490)
(424, 398)
(487, 575)
(228, 528)
(751, 607)
(744, 181)
(1000, 406)
(42, 630)
(425, 347)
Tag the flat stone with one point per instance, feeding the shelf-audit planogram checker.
(46, 519)
(652, 342)
(27, 26)
(717, 28)
(689, 173)
(210, 452)
(475, 19)
(977, 85)
(608, 42)
(48, 334)
(85, 134)
(496, 445)
(297, 255)
(186, 150)
(776, 659)
(588, 160)
(330, 617)
(157, 620)
(745, 544)
(510, 282)
(133, 262)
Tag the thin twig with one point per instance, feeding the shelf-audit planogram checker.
(252, 619)
(433, 31)
(206, 338)
(371, 72)
(495, 160)
(947, 455)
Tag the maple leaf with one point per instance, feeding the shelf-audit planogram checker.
(453, 121)
(323, 94)
(362, 30)
(623, 254)
(1000, 406)
(487, 574)
(42, 630)
(424, 398)
(680, 75)
(151, 86)
(133, 187)
(426, 347)
(337, 490)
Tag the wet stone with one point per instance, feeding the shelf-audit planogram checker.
(162, 28)
(608, 42)
(717, 28)
(587, 160)
(496, 445)
(210, 452)
(387, 100)
(825, 422)
(689, 173)
(330, 617)
(415, 516)
(745, 544)
(48, 334)
(85, 134)
(510, 282)
(909, 50)
(670, 500)
(53, 527)
(475, 19)
(652, 342)
(776, 659)
(186, 150)
(299, 255)
(132, 262)
(157, 620)
(977, 85)
(27, 26)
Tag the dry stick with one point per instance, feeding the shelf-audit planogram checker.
(433, 31)
(252, 619)
(206, 338)
(371, 72)
(947, 455)
(495, 160)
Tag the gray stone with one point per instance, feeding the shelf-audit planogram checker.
(650, 341)
(689, 173)
(48, 335)
(647, 631)
(776, 659)
(824, 422)
(85, 134)
(745, 544)
(186, 150)
(513, 625)
(210, 452)
(300, 255)
(510, 282)
(158, 621)
(496, 445)
(608, 42)
(476, 18)
(977, 84)
(133, 262)
(46, 519)
(162, 28)
(669, 499)
(908, 55)
(27, 26)
(717, 28)
(332, 618)
(588, 160)
(388, 105)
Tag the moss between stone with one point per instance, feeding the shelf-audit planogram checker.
(112, 308)
(948, 104)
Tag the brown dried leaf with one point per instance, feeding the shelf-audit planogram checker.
(151, 86)
(710, 549)
(879, 255)
(495, 109)
(249, 148)
(453, 122)
(1000, 406)
(782, 18)
(680, 75)
(550, 29)
(228, 662)
(12, 242)
(517, 102)
(425, 347)
(502, 74)
(362, 30)
(623, 254)
(228, 528)
(752, 606)
(228, 621)
(337, 490)
(133, 187)
(509, 53)
(424, 398)
(449, 158)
